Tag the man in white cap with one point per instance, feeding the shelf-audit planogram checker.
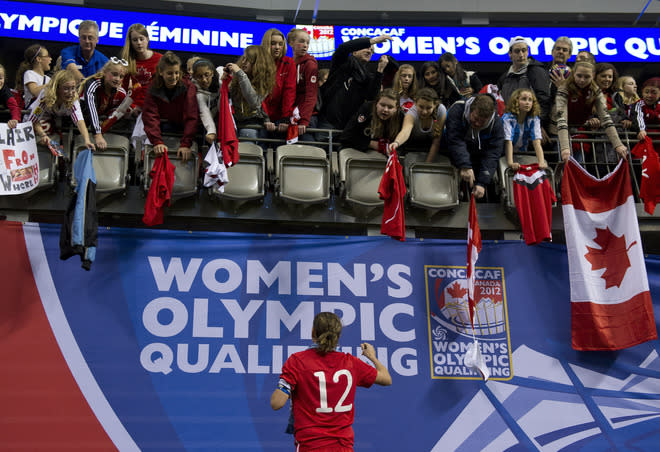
(526, 72)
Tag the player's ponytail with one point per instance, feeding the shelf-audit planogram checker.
(326, 331)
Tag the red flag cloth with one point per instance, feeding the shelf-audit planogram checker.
(534, 196)
(649, 190)
(160, 192)
(392, 189)
(473, 250)
(610, 300)
(226, 127)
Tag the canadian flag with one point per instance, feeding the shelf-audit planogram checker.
(473, 250)
(611, 304)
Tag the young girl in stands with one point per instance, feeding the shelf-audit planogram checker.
(141, 64)
(647, 110)
(8, 101)
(252, 80)
(422, 125)
(170, 98)
(307, 86)
(625, 99)
(433, 77)
(375, 125)
(405, 84)
(279, 103)
(461, 84)
(575, 102)
(207, 82)
(58, 98)
(101, 94)
(31, 76)
(322, 371)
(522, 125)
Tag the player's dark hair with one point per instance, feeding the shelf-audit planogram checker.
(327, 329)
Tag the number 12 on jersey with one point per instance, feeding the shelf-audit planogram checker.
(323, 393)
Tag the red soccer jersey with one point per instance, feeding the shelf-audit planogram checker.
(392, 189)
(534, 196)
(322, 396)
(146, 70)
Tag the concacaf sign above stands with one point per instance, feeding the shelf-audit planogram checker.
(228, 37)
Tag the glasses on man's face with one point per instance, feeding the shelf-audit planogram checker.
(116, 60)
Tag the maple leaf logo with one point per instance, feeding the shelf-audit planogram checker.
(456, 291)
(612, 256)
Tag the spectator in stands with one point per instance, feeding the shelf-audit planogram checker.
(460, 84)
(350, 82)
(647, 115)
(526, 72)
(170, 98)
(323, 76)
(58, 98)
(253, 78)
(83, 59)
(101, 94)
(307, 86)
(405, 84)
(31, 76)
(207, 82)
(142, 63)
(606, 79)
(625, 99)
(190, 62)
(558, 69)
(575, 103)
(585, 55)
(522, 126)
(433, 77)
(422, 126)
(8, 101)
(375, 125)
(475, 139)
(279, 103)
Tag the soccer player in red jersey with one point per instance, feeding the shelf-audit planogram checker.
(321, 383)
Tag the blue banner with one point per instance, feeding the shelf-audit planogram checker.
(38, 21)
(176, 341)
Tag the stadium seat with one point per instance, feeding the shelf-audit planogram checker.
(185, 174)
(505, 176)
(432, 187)
(110, 165)
(360, 174)
(246, 179)
(47, 169)
(302, 174)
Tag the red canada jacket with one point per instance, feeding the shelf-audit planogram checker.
(279, 103)
(307, 86)
(182, 111)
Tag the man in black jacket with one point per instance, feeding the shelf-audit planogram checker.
(526, 72)
(475, 139)
(350, 83)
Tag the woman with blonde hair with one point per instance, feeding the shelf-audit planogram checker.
(58, 98)
(405, 84)
(141, 64)
(321, 383)
(252, 80)
(279, 103)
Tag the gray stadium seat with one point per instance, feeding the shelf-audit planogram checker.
(360, 174)
(246, 179)
(110, 166)
(186, 174)
(47, 169)
(431, 186)
(302, 174)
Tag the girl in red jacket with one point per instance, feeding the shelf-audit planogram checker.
(279, 103)
(307, 72)
(7, 100)
(173, 99)
(141, 64)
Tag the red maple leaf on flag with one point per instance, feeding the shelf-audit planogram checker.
(456, 290)
(612, 256)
